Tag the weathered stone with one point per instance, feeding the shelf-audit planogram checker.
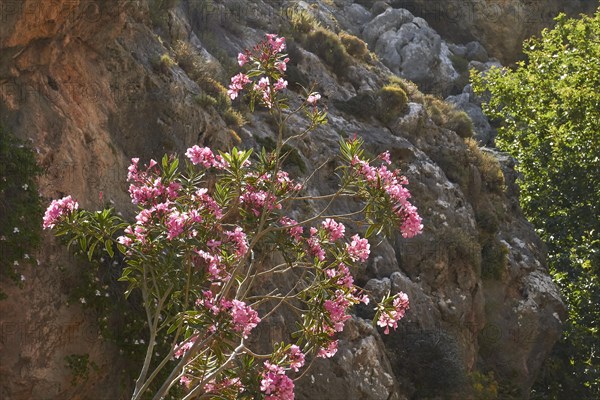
(500, 26)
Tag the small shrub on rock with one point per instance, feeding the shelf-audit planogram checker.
(328, 46)
(448, 116)
(391, 103)
(355, 47)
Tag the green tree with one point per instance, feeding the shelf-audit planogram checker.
(549, 107)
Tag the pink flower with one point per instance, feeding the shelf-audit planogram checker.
(358, 249)
(213, 244)
(208, 202)
(282, 65)
(125, 241)
(173, 190)
(412, 224)
(183, 348)
(201, 155)
(244, 318)
(57, 209)
(295, 230)
(277, 44)
(337, 311)
(385, 157)
(336, 230)
(242, 59)
(263, 88)
(389, 318)
(275, 384)
(344, 276)
(185, 381)
(280, 84)
(144, 217)
(212, 263)
(263, 83)
(239, 238)
(315, 248)
(313, 98)
(237, 84)
(175, 224)
(138, 231)
(329, 351)
(296, 358)
(145, 193)
(258, 200)
(208, 301)
(133, 174)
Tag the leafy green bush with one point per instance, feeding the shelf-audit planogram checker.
(550, 112)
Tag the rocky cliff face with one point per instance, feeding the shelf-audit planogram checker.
(500, 25)
(90, 85)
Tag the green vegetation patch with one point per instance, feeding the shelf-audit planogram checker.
(20, 206)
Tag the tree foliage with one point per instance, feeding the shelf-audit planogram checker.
(549, 107)
(214, 250)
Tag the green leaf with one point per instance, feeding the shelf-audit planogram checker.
(83, 243)
(172, 328)
(108, 246)
(370, 231)
(90, 252)
(122, 249)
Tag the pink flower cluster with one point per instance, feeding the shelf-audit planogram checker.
(393, 185)
(358, 249)
(267, 55)
(389, 319)
(57, 209)
(212, 264)
(258, 201)
(284, 183)
(243, 317)
(146, 187)
(184, 347)
(276, 384)
(205, 157)
(313, 98)
(314, 245)
(208, 203)
(342, 276)
(329, 351)
(296, 358)
(295, 230)
(334, 229)
(337, 310)
(276, 43)
(238, 237)
(237, 85)
(215, 387)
